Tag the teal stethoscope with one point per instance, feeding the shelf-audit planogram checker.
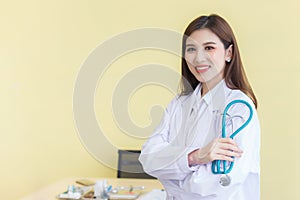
(226, 165)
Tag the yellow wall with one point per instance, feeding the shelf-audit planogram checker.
(44, 43)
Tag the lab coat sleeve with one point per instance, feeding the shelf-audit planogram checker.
(205, 183)
(162, 159)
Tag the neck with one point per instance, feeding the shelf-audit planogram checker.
(207, 86)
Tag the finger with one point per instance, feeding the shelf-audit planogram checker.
(229, 153)
(230, 147)
(220, 141)
(220, 145)
(223, 157)
(227, 140)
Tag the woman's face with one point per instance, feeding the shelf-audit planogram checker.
(206, 56)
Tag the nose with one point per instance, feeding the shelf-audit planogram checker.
(200, 56)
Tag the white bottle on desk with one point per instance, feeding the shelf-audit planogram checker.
(100, 189)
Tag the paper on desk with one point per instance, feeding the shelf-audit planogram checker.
(70, 196)
(155, 194)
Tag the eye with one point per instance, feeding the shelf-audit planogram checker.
(209, 48)
(190, 49)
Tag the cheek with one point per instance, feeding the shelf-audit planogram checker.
(219, 60)
(190, 67)
(188, 59)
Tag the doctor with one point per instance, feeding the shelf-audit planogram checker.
(181, 150)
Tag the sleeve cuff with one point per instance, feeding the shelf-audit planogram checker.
(184, 163)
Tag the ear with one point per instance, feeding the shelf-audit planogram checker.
(228, 53)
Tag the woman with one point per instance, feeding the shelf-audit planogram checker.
(181, 150)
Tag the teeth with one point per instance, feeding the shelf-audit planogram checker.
(201, 68)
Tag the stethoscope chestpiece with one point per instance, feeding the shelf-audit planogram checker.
(225, 180)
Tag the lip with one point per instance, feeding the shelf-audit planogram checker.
(202, 68)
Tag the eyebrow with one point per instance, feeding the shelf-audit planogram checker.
(206, 43)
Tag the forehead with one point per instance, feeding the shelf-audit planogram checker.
(203, 36)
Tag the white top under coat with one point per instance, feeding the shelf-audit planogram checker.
(190, 122)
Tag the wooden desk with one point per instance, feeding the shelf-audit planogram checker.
(51, 191)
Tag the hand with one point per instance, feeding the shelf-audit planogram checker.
(218, 149)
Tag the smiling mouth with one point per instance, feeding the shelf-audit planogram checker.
(202, 69)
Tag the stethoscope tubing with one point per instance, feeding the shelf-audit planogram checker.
(216, 164)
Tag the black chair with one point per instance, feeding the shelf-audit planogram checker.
(129, 165)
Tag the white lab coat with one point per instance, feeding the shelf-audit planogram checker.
(190, 122)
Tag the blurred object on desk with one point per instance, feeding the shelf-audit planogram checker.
(50, 192)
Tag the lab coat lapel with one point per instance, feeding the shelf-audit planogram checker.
(186, 109)
(217, 101)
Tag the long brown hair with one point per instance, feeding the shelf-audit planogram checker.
(234, 73)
